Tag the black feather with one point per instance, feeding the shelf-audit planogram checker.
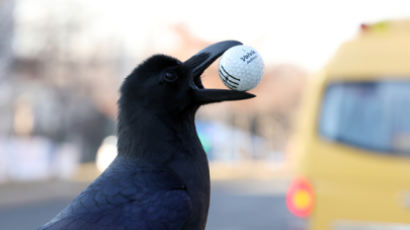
(160, 178)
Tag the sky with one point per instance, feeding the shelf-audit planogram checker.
(304, 33)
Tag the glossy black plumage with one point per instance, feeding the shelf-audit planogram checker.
(128, 197)
(160, 178)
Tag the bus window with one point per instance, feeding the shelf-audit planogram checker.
(369, 115)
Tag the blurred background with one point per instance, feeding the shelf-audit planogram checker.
(62, 62)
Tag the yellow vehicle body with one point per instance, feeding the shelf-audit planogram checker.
(354, 187)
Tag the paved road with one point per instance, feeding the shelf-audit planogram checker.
(235, 205)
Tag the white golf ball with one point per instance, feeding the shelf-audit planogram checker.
(241, 68)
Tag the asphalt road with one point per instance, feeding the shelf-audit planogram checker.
(235, 205)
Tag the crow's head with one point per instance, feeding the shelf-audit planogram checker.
(165, 84)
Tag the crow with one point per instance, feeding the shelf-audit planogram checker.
(160, 178)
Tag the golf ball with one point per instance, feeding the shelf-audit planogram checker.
(241, 68)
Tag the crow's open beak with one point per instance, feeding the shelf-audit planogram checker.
(202, 60)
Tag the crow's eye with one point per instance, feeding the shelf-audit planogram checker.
(170, 77)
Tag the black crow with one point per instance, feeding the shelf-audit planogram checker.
(160, 178)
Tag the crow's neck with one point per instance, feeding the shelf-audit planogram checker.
(156, 137)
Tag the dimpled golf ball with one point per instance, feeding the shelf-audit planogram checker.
(241, 68)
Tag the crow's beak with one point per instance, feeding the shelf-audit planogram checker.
(202, 60)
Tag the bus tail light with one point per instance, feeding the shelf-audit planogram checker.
(300, 198)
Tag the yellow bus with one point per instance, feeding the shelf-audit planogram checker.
(353, 144)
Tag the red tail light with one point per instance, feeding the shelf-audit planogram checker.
(300, 198)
